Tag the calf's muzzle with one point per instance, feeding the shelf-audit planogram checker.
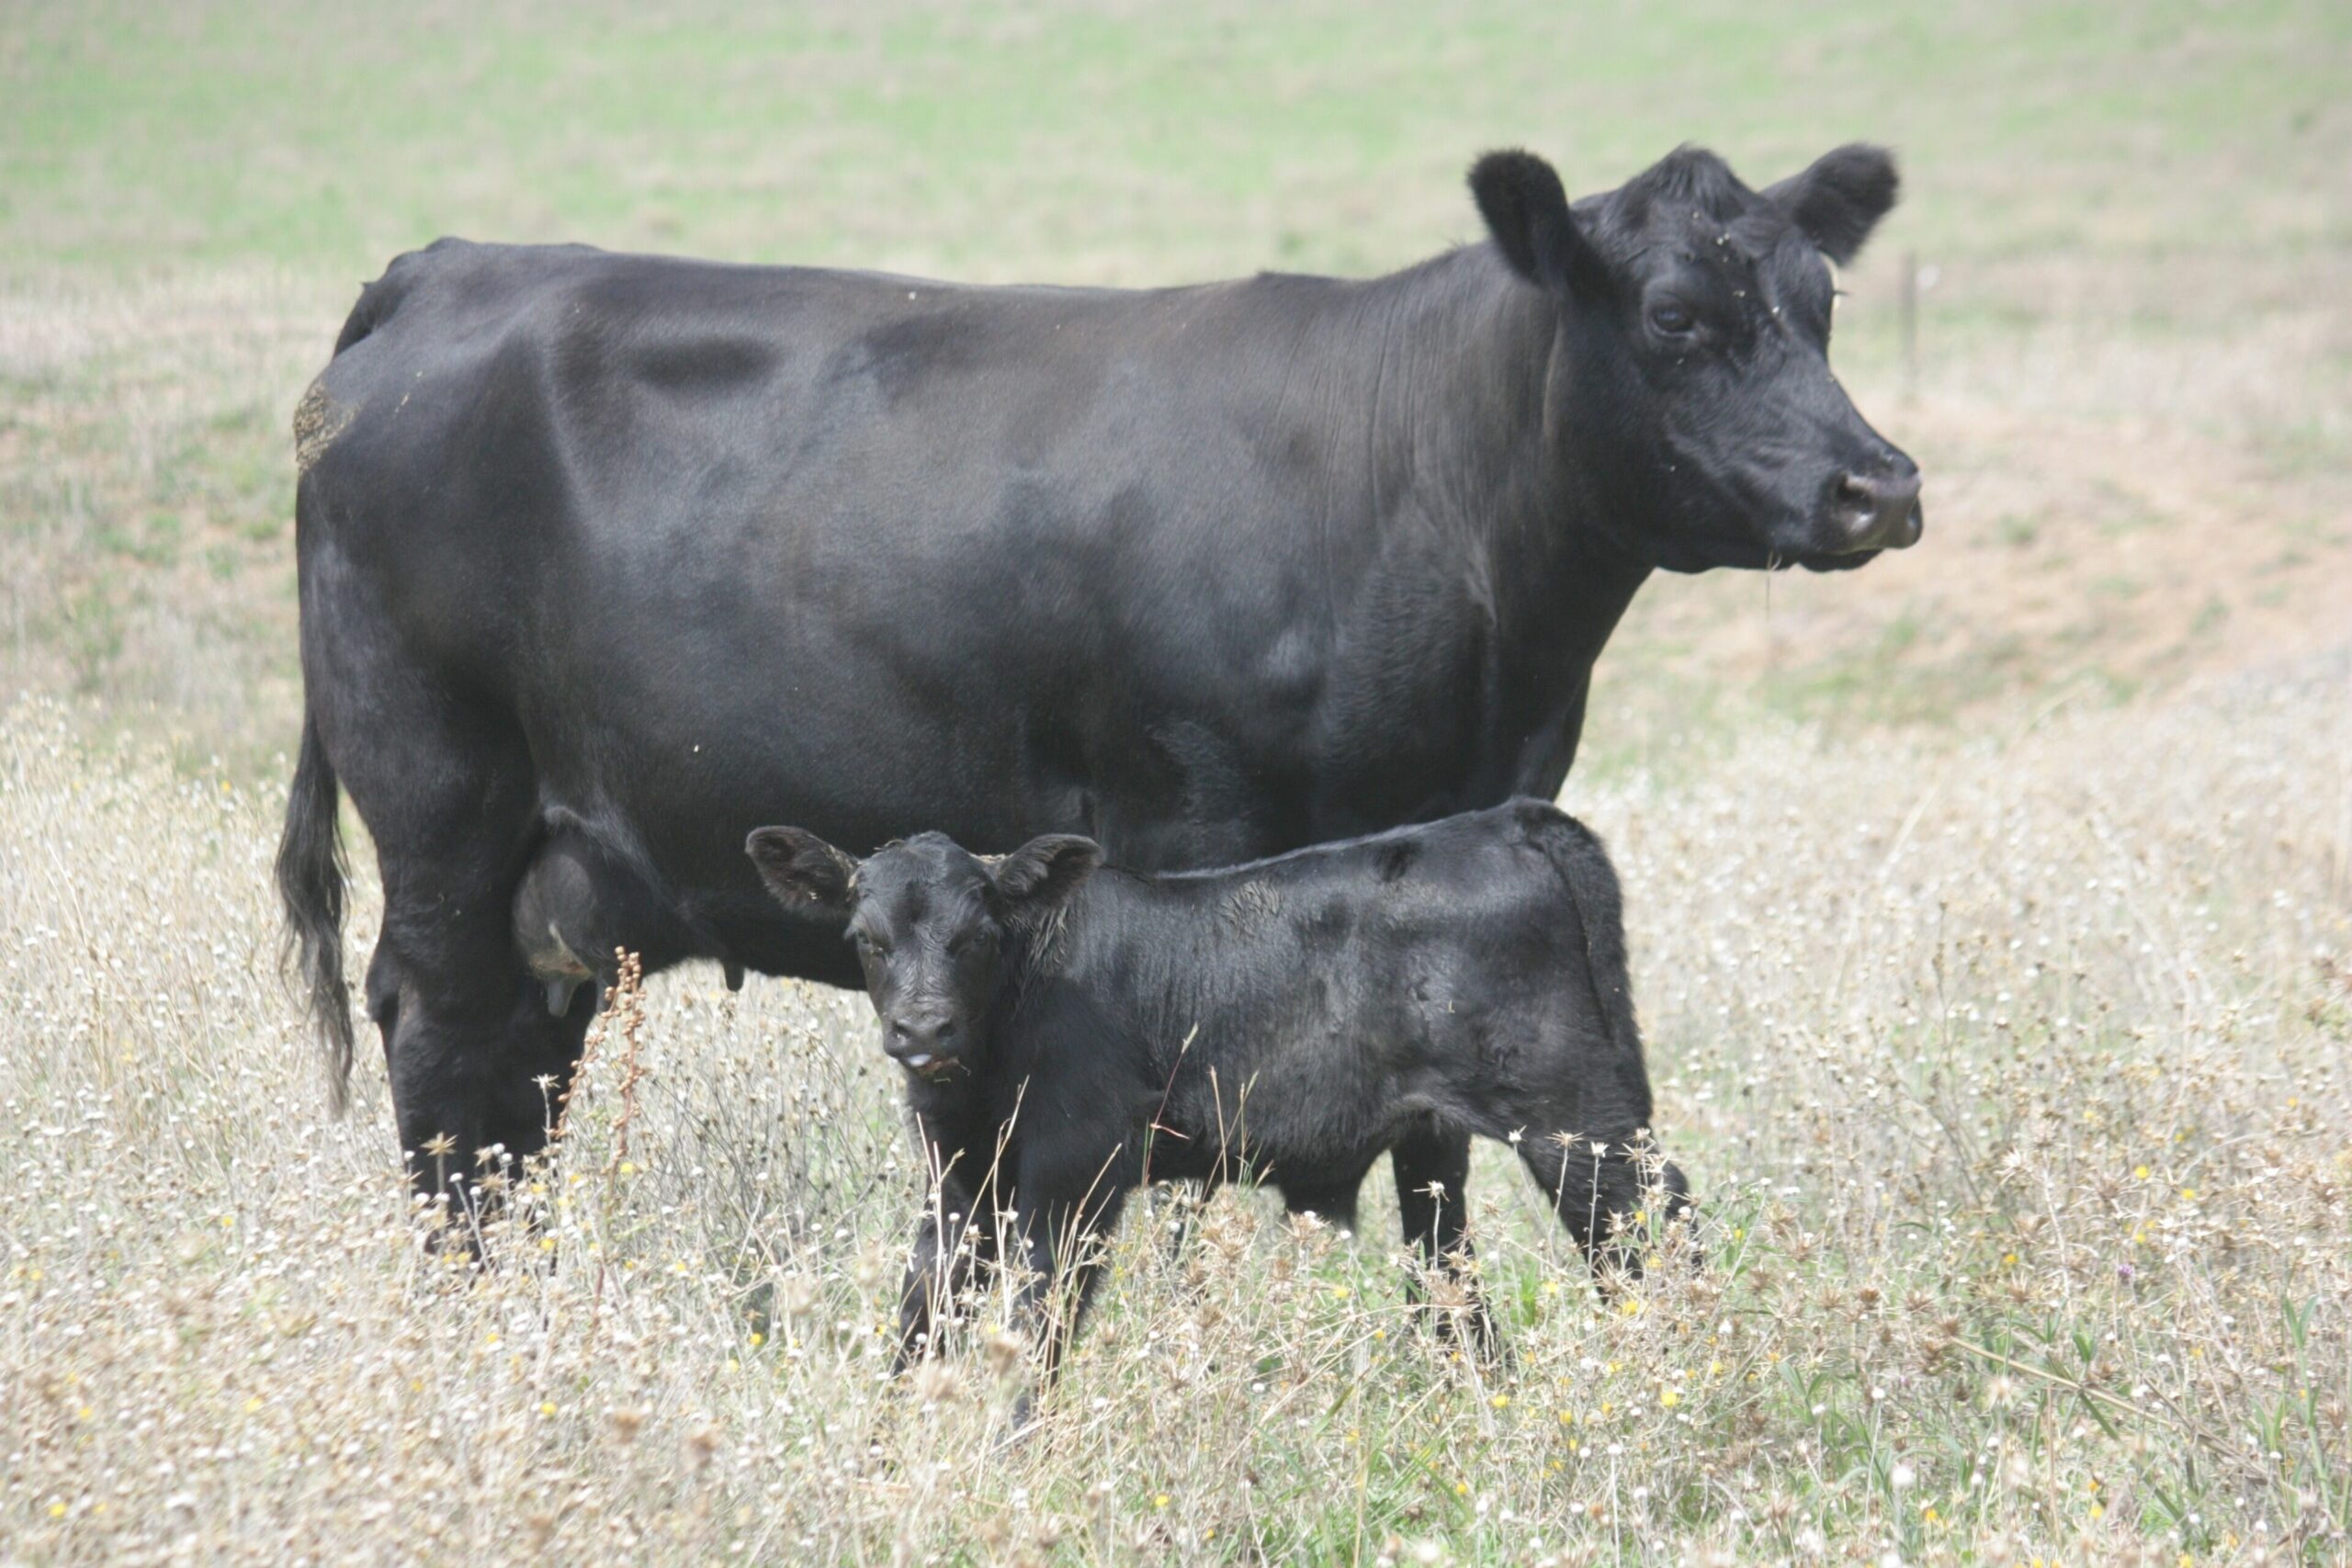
(923, 1041)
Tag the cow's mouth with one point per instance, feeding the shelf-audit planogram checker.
(1896, 531)
(1843, 560)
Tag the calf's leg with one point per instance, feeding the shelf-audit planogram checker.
(1600, 1188)
(951, 1240)
(1064, 1208)
(1063, 1248)
(1432, 1164)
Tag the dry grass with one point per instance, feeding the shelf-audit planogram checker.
(2012, 1074)
(1992, 923)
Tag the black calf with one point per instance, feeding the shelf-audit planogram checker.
(1070, 1034)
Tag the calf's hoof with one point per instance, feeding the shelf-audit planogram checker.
(1458, 1319)
(1021, 1422)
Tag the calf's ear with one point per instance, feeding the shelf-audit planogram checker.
(801, 869)
(1045, 872)
(1520, 197)
(1838, 201)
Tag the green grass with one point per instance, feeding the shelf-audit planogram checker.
(1157, 143)
(188, 198)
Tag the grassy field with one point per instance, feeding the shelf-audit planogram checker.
(1992, 909)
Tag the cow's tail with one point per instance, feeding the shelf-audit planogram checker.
(310, 882)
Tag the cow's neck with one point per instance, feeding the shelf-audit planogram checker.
(1482, 494)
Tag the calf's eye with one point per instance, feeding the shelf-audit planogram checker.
(1670, 318)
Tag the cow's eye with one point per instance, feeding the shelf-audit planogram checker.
(1670, 318)
(869, 944)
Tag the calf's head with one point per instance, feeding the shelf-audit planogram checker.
(1691, 380)
(933, 924)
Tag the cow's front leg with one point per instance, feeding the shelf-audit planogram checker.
(1331, 1198)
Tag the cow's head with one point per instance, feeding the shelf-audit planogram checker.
(933, 924)
(1694, 338)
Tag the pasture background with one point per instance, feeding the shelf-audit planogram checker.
(1989, 906)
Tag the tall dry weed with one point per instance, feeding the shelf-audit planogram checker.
(2011, 1073)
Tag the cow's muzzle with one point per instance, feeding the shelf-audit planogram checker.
(1878, 510)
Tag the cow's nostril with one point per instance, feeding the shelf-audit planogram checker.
(1855, 500)
(1877, 511)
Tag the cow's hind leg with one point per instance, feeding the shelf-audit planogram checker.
(478, 1076)
(1432, 1169)
(478, 1066)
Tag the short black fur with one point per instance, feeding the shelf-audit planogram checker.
(1202, 573)
(1072, 1037)
(1839, 201)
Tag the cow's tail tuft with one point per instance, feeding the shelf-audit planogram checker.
(310, 883)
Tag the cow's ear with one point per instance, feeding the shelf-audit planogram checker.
(1526, 210)
(800, 869)
(1044, 873)
(1838, 201)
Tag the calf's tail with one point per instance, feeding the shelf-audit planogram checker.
(1577, 853)
(310, 882)
(1583, 863)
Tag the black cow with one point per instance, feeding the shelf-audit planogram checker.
(1068, 1033)
(1205, 573)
